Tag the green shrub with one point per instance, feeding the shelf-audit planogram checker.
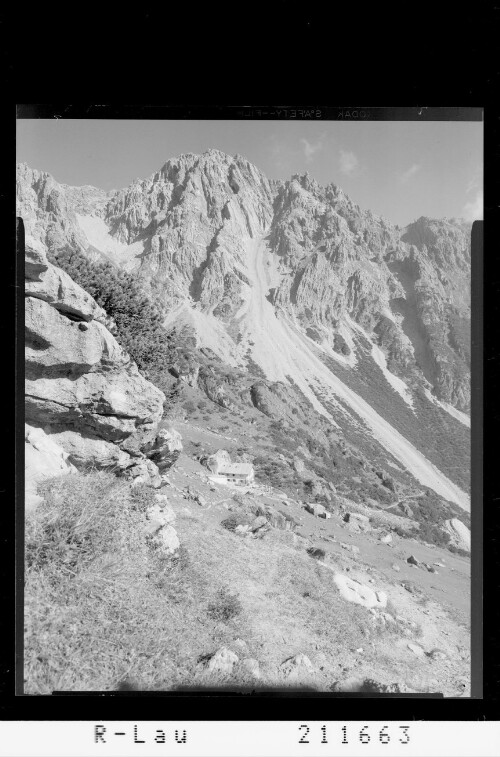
(142, 497)
(458, 551)
(224, 607)
(138, 320)
(99, 605)
(231, 522)
(433, 534)
(316, 552)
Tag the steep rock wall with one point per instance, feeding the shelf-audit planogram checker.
(82, 389)
(190, 232)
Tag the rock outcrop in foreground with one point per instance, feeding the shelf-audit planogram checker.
(86, 402)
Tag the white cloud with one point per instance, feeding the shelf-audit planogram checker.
(311, 148)
(348, 162)
(473, 209)
(407, 175)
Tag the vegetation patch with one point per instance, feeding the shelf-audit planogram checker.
(224, 607)
(100, 606)
(139, 321)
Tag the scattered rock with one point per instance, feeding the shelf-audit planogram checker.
(409, 586)
(221, 662)
(412, 560)
(165, 449)
(195, 496)
(251, 666)
(295, 667)
(161, 511)
(298, 465)
(316, 509)
(166, 540)
(217, 461)
(159, 516)
(242, 529)
(355, 591)
(241, 645)
(258, 523)
(357, 517)
(416, 649)
(395, 567)
(437, 654)
(386, 539)
(349, 547)
(144, 472)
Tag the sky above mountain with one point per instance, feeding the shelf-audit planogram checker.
(400, 170)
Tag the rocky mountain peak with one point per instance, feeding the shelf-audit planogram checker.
(209, 234)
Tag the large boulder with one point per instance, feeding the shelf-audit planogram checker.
(318, 510)
(217, 461)
(82, 388)
(356, 518)
(219, 663)
(166, 540)
(297, 669)
(354, 591)
(165, 449)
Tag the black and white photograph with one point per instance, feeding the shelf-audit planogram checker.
(248, 403)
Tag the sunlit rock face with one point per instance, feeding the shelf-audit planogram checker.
(194, 230)
(85, 401)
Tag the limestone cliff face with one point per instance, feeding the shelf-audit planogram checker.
(196, 217)
(434, 267)
(333, 254)
(193, 232)
(49, 209)
(82, 389)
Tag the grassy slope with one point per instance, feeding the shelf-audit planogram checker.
(103, 606)
(348, 459)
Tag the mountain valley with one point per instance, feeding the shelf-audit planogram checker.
(318, 342)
